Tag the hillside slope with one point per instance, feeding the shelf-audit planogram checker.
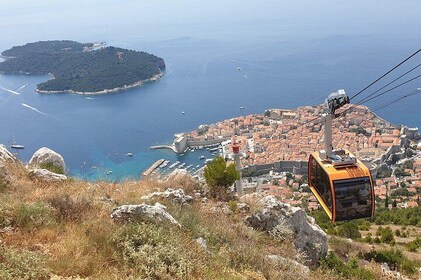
(64, 229)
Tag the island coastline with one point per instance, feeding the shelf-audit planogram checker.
(82, 68)
(105, 91)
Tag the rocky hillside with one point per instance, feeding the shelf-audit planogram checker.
(52, 226)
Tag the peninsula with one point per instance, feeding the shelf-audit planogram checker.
(84, 68)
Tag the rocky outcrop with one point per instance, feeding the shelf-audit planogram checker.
(142, 213)
(5, 155)
(176, 195)
(281, 219)
(45, 175)
(47, 156)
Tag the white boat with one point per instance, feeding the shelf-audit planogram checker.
(129, 154)
(16, 146)
(183, 113)
(202, 157)
(197, 166)
(174, 164)
(164, 164)
(241, 107)
(109, 172)
(182, 165)
(208, 160)
(189, 166)
(238, 68)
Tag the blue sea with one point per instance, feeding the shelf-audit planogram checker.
(290, 54)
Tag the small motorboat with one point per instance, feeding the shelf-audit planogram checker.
(17, 147)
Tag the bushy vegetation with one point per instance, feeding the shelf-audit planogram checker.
(150, 253)
(414, 245)
(68, 208)
(79, 70)
(399, 216)
(347, 229)
(34, 215)
(385, 235)
(350, 269)
(219, 177)
(21, 264)
(393, 257)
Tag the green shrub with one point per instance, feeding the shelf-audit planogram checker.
(21, 264)
(386, 235)
(368, 238)
(220, 177)
(149, 252)
(394, 258)
(32, 216)
(51, 167)
(346, 270)
(233, 205)
(414, 245)
(349, 230)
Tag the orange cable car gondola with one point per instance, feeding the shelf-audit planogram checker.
(340, 182)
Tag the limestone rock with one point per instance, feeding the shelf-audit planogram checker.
(5, 155)
(243, 207)
(46, 175)
(289, 263)
(47, 156)
(221, 208)
(142, 212)
(202, 242)
(177, 196)
(307, 236)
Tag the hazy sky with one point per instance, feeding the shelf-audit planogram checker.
(22, 21)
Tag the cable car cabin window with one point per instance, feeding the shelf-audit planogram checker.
(321, 183)
(353, 198)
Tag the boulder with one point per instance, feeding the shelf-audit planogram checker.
(282, 219)
(46, 175)
(142, 212)
(47, 156)
(5, 155)
(177, 196)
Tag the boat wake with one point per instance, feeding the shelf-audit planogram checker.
(34, 109)
(9, 90)
(22, 87)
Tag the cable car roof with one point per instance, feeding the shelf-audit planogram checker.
(356, 170)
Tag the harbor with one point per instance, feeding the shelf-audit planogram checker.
(191, 161)
(153, 167)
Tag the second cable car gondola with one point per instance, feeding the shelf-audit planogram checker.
(340, 182)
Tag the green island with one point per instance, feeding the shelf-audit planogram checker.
(84, 68)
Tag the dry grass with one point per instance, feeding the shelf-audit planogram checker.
(65, 229)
